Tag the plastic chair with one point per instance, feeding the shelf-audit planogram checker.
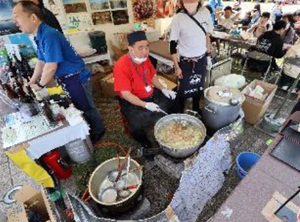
(238, 46)
(262, 57)
(218, 69)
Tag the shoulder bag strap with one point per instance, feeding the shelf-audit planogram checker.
(193, 18)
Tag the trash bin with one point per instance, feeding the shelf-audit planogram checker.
(98, 41)
(80, 151)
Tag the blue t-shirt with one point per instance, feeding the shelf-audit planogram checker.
(214, 4)
(53, 47)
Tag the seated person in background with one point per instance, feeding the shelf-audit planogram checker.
(255, 15)
(247, 19)
(296, 16)
(270, 43)
(261, 26)
(215, 5)
(141, 95)
(290, 72)
(296, 21)
(212, 39)
(276, 11)
(236, 7)
(227, 18)
(289, 36)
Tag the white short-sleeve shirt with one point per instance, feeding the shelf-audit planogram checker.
(190, 37)
(227, 23)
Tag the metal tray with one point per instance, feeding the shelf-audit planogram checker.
(288, 151)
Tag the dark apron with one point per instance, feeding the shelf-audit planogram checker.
(193, 71)
(72, 85)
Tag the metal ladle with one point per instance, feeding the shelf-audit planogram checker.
(162, 111)
(112, 175)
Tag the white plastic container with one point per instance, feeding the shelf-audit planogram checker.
(80, 151)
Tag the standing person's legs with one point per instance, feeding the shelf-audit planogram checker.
(84, 102)
(196, 104)
(178, 105)
(201, 69)
(93, 115)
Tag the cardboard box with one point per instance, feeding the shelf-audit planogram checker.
(107, 85)
(36, 201)
(166, 82)
(253, 108)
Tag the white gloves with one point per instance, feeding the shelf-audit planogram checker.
(169, 93)
(209, 63)
(152, 107)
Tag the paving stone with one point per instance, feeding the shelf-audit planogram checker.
(3, 158)
(13, 168)
(5, 182)
(22, 179)
(5, 208)
(3, 217)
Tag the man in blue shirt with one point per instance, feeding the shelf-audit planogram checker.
(215, 4)
(57, 59)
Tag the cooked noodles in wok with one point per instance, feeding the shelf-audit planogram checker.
(180, 134)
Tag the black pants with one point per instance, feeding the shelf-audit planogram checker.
(180, 103)
(139, 118)
(191, 71)
(296, 107)
(288, 81)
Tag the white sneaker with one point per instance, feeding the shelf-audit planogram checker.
(295, 91)
(285, 88)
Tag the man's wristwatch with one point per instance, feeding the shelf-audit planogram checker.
(40, 85)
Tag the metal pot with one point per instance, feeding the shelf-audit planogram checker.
(219, 113)
(179, 153)
(99, 175)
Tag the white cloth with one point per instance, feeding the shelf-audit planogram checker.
(169, 93)
(58, 138)
(191, 39)
(206, 174)
(152, 107)
(209, 63)
(227, 23)
(292, 70)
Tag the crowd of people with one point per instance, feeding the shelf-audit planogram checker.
(271, 29)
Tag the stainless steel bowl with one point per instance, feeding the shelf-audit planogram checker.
(100, 174)
(175, 152)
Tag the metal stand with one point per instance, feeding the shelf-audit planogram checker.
(271, 123)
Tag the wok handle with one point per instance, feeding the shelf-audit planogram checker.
(193, 113)
(209, 109)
